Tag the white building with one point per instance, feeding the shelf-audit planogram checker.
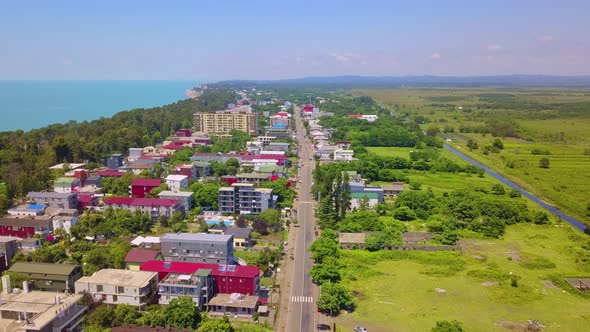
(184, 197)
(343, 155)
(370, 117)
(177, 182)
(65, 219)
(112, 286)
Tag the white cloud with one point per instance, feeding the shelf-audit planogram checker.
(435, 56)
(345, 57)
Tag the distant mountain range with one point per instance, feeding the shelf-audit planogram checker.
(423, 81)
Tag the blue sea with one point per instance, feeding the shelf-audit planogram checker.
(33, 104)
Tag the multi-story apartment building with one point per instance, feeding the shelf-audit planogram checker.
(30, 310)
(155, 207)
(254, 178)
(199, 286)
(25, 228)
(243, 198)
(184, 197)
(112, 286)
(49, 276)
(223, 122)
(197, 247)
(55, 200)
(177, 182)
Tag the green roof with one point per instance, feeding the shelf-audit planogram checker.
(270, 168)
(361, 195)
(64, 181)
(43, 268)
(201, 163)
(203, 272)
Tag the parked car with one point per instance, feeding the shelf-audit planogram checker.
(324, 327)
(360, 329)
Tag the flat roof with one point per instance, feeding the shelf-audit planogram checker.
(176, 177)
(41, 304)
(225, 300)
(71, 166)
(362, 195)
(201, 237)
(170, 193)
(119, 278)
(44, 268)
(352, 237)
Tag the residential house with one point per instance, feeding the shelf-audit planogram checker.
(9, 246)
(135, 154)
(65, 185)
(86, 201)
(237, 305)
(243, 198)
(110, 173)
(138, 167)
(177, 182)
(394, 189)
(254, 178)
(199, 286)
(29, 245)
(228, 278)
(357, 199)
(154, 207)
(278, 146)
(141, 187)
(197, 247)
(65, 219)
(241, 235)
(115, 161)
(49, 276)
(352, 240)
(136, 257)
(93, 182)
(56, 200)
(184, 197)
(368, 117)
(29, 311)
(27, 210)
(203, 169)
(343, 144)
(112, 286)
(25, 228)
(343, 155)
(146, 242)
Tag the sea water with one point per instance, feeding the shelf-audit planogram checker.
(33, 104)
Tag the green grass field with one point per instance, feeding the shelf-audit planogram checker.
(395, 291)
(437, 182)
(549, 119)
(565, 184)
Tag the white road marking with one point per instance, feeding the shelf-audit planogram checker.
(302, 299)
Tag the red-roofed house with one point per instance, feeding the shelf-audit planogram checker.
(228, 278)
(355, 116)
(136, 257)
(155, 207)
(110, 173)
(183, 133)
(141, 187)
(86, 200)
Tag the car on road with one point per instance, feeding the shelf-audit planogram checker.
(323, 327)
(360, 329)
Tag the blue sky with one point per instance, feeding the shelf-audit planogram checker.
(212, 40)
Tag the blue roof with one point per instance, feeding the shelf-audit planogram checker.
(36, 207)
(280, 125)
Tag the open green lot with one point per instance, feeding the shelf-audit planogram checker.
(396, 291)
(553, 120)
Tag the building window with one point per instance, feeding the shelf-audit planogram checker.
(120, 289)
(115, 298)
(99, 288)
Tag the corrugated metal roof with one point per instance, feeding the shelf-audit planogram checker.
(44, 268)
(146, 182)
(361, 195)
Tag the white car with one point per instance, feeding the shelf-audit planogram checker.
(360, 329)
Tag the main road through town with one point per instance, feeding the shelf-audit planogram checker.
(303, 293)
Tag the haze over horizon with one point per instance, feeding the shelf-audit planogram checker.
(184, 40)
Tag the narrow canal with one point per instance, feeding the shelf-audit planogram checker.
(574, 222)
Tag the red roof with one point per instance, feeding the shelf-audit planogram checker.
(283, 114)
(141, 255)
(173, 147)
(140, 201)
(355, 116)
(85, 198)
(190, 268)
(146, 182)
(110, 172)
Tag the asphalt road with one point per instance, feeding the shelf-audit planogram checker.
(303, 293)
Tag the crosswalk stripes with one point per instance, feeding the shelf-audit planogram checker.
(302, 299)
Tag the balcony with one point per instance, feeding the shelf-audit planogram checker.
(71, 318)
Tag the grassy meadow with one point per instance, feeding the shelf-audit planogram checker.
(550, 123)
(396, 291)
